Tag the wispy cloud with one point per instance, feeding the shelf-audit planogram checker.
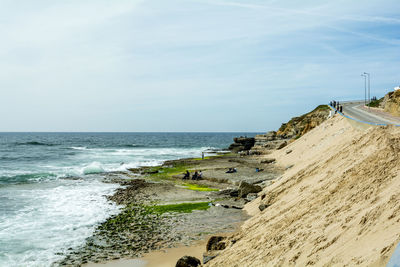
(307, 11)
(131, 62)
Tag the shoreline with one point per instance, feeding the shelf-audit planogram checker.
(161, 211)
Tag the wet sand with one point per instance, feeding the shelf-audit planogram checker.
(162, 258)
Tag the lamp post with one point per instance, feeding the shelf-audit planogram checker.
(369, 87)
(365, 89)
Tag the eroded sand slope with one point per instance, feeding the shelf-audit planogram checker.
(339, 204)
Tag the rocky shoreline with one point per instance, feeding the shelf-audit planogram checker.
(160, 210)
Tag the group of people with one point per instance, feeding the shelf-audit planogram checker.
(336, 106)
(196, 176)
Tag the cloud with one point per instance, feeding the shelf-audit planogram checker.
(138, 65)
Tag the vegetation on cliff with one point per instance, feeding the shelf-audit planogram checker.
(298, 126)
(293, 129)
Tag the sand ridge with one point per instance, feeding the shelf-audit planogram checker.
(337, 204)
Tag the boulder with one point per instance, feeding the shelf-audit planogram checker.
(229, 192)
(281, 144)
(188, 261)
(224, 191)
(262, 207)
(242, 143)
(234, 193)
(267, 161)
(246, 188)
(215, 243)
(251, 196)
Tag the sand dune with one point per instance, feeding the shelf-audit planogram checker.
(338, 203)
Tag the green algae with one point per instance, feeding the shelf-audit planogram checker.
(180, 208)
(197, 187)
(166, 172)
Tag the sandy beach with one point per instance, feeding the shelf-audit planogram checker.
(164, 258)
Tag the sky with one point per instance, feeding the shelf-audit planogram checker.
(188, 65)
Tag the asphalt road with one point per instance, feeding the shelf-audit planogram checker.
(352, 109)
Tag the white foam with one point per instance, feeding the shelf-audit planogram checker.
(57, 214)
(51, 218)
(94, 167)
(79, 147)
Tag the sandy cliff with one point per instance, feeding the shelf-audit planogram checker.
(338, 202)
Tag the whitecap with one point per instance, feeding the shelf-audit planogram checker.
(79, 147)
(94, 167)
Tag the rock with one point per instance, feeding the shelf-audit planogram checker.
(267, 161)
(246, 188)
(188, 261)
(298, 126)
(214, 243)
(281, 144)
(229, 192)
(235, 148)
(234, 193)
(262, 207)
(251, 196)
(258, 181)
(242, 143)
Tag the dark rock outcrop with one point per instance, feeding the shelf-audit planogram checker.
(246, 188)
(215, 243)
(241, 144)
(267, 161)
(188, 261)
(262, 207)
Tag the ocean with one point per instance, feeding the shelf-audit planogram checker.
(51, 190)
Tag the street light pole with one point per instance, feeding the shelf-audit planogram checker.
(369, 87)
(365, 89)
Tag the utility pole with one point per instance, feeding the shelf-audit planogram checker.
(365, 89)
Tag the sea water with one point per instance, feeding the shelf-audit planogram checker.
(51, 190)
